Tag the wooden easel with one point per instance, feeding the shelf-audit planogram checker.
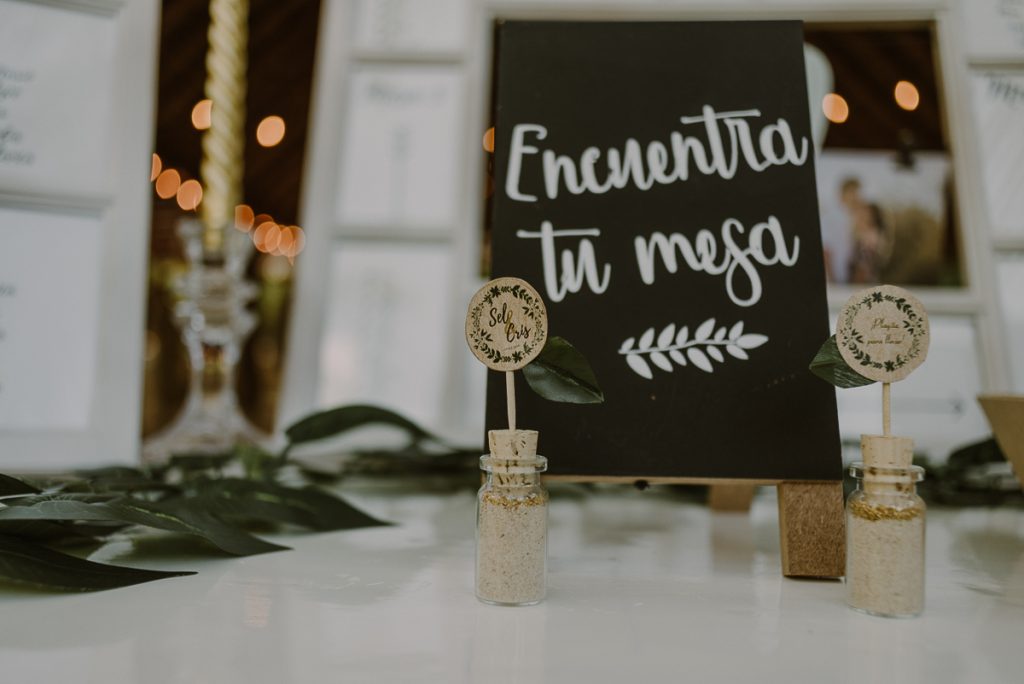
(811, 523)
(812, 529)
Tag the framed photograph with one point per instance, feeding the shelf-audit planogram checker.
(885, 172)
(885, 219)
(76, 118)
(399, 162)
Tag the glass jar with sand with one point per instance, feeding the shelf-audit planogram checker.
(512, 521)
(885, 529)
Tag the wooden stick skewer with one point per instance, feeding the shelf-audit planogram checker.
(886, 409)
(510, 398)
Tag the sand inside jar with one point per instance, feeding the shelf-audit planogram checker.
(512, 548)
(885, 574)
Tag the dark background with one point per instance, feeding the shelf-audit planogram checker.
(599, 84)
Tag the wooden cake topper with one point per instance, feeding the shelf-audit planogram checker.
(506, 328)
(883, 334)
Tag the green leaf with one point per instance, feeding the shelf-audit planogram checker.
(113, 483)
(189, 462)
(258, 463)
(10, 486)
(338, 420)
(56, 532)
(269, 502)
(561, 373)
(173, 515)
(62, 495)
(830, 366)
(27, 563)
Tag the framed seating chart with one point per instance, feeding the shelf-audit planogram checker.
(76, 110)
(994, 29)
(400, 150)
(999, 107)
(387, 27)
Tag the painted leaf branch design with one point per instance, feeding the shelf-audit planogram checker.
(673, 345)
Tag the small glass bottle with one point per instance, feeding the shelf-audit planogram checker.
(885, 530)
(512, 521)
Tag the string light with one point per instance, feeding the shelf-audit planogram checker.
(835, 108)
(270, 131)
(298, 242)
(269, 237)
(202, 114)
(167, 183)
(907, 96)
(244, 218)
(266, 236)
(190, 194)
(285, 241)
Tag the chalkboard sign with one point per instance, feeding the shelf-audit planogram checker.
(655, 183)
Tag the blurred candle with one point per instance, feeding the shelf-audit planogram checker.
(224, 141)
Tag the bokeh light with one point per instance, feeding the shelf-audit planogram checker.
(835, 108)
(167, 184)
(244, 218)
(190, 194)
(907, 96)
(266, 236)
(202, 114)
(156, 168)
(270, 131)
(298, 242)
(285, 241)
(489, 140)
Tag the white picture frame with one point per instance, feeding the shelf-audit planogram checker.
(102, 427)
(386, 29)
(994, 30)
(56, 100)
(399, 151)
(998, 98)
(1011, 285)
(382, 294)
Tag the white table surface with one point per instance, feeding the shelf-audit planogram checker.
(642, 588)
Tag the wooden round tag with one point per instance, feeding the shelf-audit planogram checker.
(883, 333)
(507, 324)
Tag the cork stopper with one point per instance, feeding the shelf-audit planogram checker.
(513, 445)
(886, 452)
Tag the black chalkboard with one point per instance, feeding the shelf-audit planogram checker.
(604, 151)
